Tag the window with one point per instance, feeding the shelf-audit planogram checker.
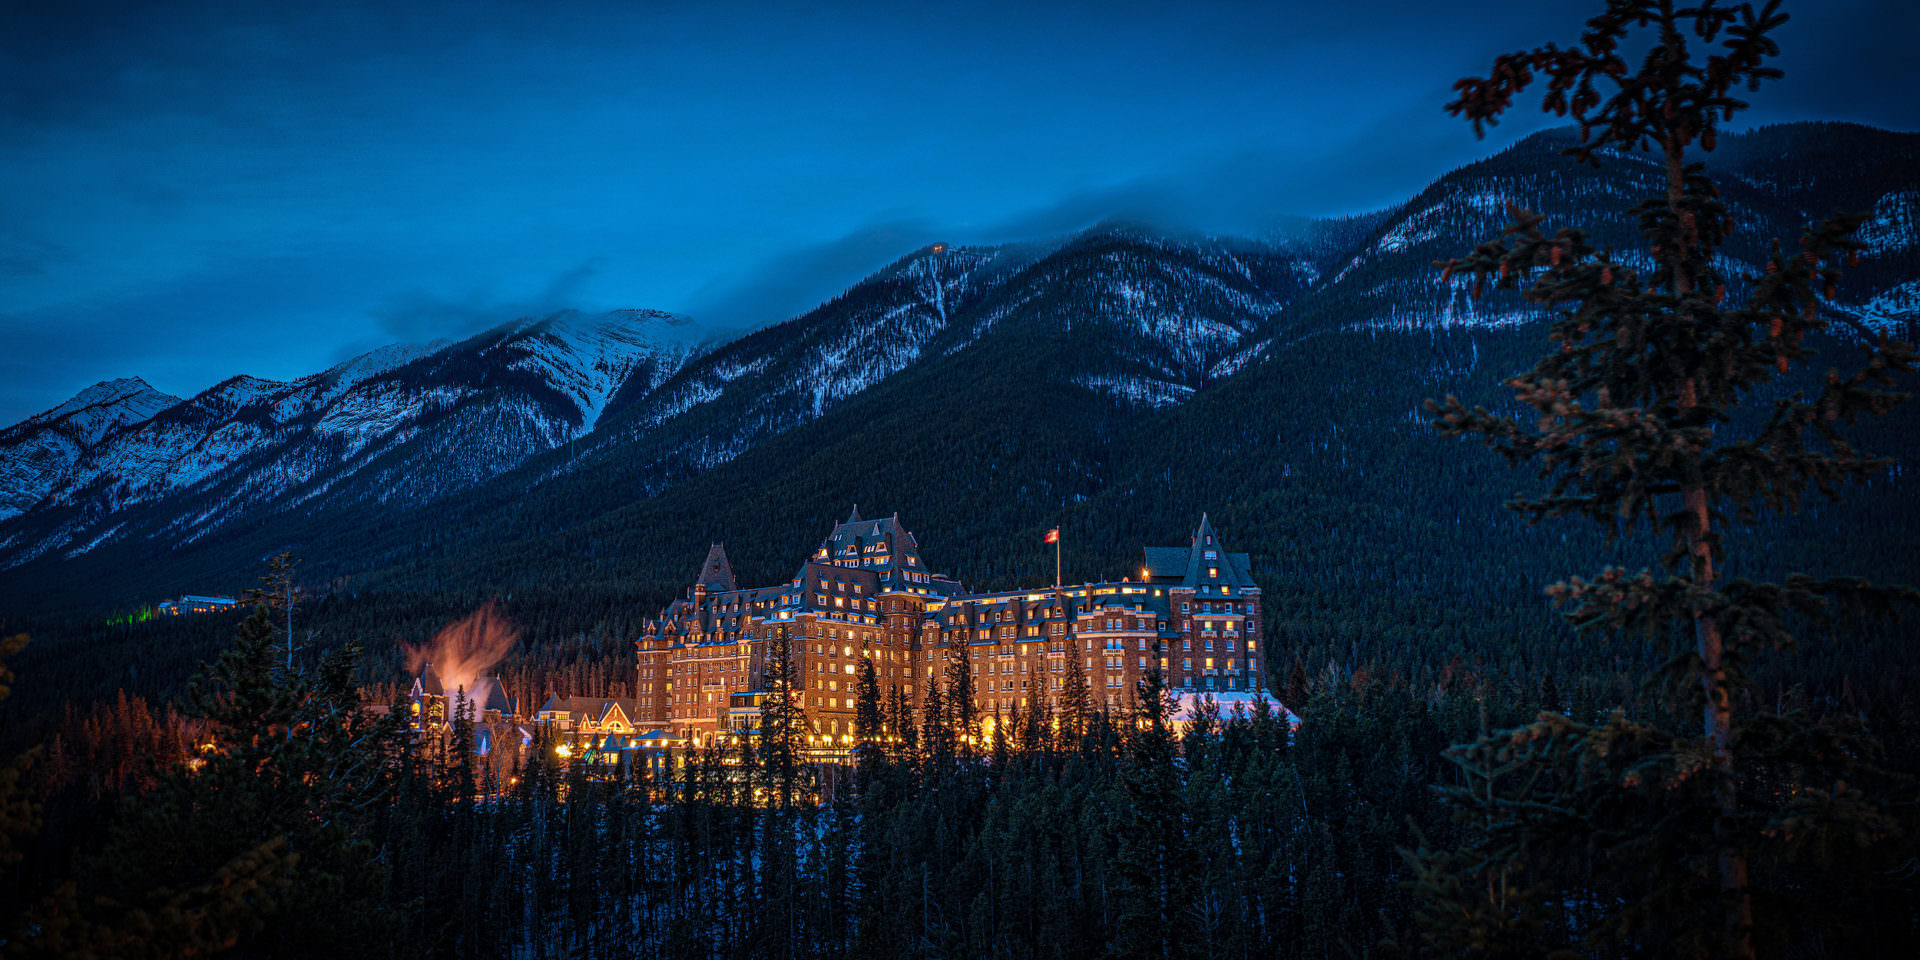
(1213, 573)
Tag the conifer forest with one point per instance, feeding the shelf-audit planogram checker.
(1574, 499)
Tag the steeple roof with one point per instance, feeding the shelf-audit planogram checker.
(855, 516)
(1204, 564)
(716, 574)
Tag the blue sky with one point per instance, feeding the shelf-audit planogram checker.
(190, 191)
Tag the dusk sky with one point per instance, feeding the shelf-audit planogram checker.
(191, 191)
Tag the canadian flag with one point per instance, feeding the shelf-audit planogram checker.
(1053, 536)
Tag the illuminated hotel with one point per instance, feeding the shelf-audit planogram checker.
(867, 592)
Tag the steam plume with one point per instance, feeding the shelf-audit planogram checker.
(465, 649)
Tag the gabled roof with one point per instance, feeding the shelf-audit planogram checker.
(596, 709)
(429, 682)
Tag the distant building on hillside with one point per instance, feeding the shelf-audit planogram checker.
(194, 603)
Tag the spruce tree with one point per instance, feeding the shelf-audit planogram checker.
(1076, 700)
(19, 815)
(783, 720)
(963, 709)
(1676, 400)
(906, 731)
(1155, 863)
(266, 838)
(934, 729)
(869, 724)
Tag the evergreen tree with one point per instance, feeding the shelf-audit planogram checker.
(1668, 408)
(963, 709)
(1076, 699)
(1156, 863)
(1294, 695)
(265, 838)
(783, 721)
(934, 729)
(19, 815)
(906, 731)
(869, 724)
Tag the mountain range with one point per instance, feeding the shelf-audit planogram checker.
(1120, 379)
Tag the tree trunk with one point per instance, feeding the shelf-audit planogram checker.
(1718, 713)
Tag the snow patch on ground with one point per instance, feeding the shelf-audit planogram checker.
(1895, 224)
(1894, 307)
(1137, 390)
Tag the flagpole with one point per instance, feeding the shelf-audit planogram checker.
(1056, 559)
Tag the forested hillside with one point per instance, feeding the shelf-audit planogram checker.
(1117, 386)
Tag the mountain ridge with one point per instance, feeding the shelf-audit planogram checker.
(1116, 324)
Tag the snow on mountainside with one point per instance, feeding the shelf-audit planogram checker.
(632, 402)
(411, 422)
(35, 451)
(1158, 317)
(774, 379)
(1389, 283)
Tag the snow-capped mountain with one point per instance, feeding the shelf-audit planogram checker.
(35, 452)
(546, 423)
(404, 423)
(1769, 179)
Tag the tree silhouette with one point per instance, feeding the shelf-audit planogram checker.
(1668, 408)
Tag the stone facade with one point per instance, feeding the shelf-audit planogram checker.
(866, 592)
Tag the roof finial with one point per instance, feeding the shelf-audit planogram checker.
(855, 517)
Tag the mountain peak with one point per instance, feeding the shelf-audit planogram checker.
(103, 406)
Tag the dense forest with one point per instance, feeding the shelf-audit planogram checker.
(1650, 710)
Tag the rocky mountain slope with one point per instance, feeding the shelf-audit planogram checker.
(36, 452)
(400, 425)
(1115, 369)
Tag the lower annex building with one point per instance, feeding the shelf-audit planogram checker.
(867, 592)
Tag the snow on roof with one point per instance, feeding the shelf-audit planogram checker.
(1245, 701)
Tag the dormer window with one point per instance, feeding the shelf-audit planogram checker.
(1213, 573)
(1212, 554)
